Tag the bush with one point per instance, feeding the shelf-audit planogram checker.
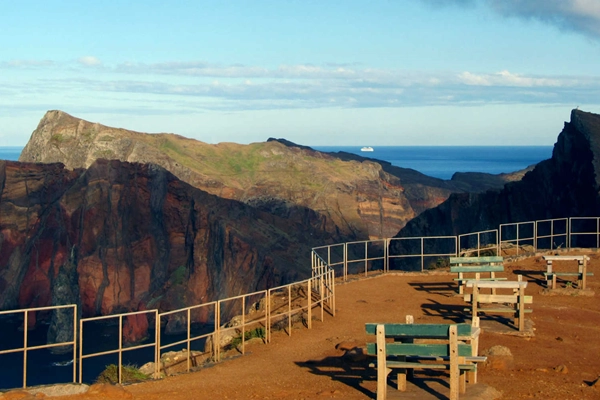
(131, 374)
(254, 333)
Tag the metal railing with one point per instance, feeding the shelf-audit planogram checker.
(478, 242)
(268, 307)
(26, 348)
(204, 312)
(428, 247)
(590, 226)
(413, 253)
(120, 349)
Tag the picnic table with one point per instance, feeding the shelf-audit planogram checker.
(581, 273)
(516, 300)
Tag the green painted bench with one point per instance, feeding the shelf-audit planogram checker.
(475, 266)
(447, 346)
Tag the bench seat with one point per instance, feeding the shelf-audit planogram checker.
(568, 273)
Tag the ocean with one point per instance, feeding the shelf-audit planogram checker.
(10, 152)
(437, 161)
(443, 161)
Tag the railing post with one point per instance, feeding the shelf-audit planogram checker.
(333, 291)
(25, 329)
(289, 313)
(422, 253)
(81, 351)
(309, 295)
(386, 255)
(75, 343)
(120, 348)
(366, 257)
(157, 348)
(189, 335)
(345, 263)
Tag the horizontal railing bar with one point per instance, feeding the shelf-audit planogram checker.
(22, 310)
(212, 303)
(150, 311)
(244, 295)
(104, 353)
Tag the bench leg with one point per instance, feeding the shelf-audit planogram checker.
(402, 380)
(454, 370)
(553, 281)
(382, 370)
(463, 382)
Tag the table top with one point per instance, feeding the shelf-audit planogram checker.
(497, 284)
(558, 258)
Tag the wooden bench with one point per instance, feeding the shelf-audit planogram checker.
(476, 266)
(448, 346)
(581, 273)
(501, 303)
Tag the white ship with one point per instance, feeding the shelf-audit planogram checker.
(366, 148)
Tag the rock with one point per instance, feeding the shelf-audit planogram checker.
(497, 351)
(148, 368)
(356, 354)
(357, 196)
(135, 328)
(59, 390)
(566, 184)
(561, 369)
(498, 358)
(130, 235)
(107, 391)
(596, 383)
(17, 395)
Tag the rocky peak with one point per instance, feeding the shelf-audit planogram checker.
(567, 185)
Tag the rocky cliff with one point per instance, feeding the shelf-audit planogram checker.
(567, 185)
(357, 197)
(121, 236)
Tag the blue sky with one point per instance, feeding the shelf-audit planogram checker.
(346, 72)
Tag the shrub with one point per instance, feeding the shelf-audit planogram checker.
(254, 333)
(130, 374)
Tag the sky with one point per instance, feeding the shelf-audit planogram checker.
(316, 72)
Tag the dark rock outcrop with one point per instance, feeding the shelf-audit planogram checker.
(122, 237)
(567, 185)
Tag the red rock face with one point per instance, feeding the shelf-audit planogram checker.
(137, 237)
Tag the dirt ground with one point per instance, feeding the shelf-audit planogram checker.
(561, 360)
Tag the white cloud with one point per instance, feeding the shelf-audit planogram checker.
(506, 78)
(89, 61)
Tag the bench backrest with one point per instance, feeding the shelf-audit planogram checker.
(476, 260)
(420, 331)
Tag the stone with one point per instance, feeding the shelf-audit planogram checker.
(67, 389)
(561, 369)
(498, 358)
(107, 391)
(356, 354)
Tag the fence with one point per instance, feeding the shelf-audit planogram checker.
(283, 305)
(26, 348)
(258, 311)
(421, 253)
